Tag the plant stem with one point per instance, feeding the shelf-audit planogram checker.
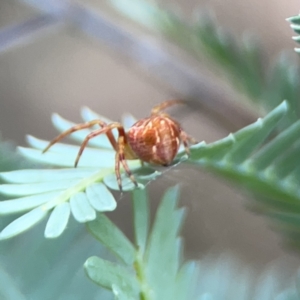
(140, 273)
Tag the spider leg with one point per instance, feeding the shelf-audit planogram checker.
(79, 127)
(186, 139)
(122, 159)
(190, 139)
(119, 147)
(156, 109)
(117, 171)
(105, 129)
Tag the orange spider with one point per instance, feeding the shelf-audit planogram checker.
(154, 140)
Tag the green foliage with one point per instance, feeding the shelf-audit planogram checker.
(225, 277)
(269, 169)
(53, 268)
(36, 268)
(111, 236)
(261, 157)
(60, 192)
(254, 157)
(152, 268)
(295, 25)
(239, 59)
(112, 276)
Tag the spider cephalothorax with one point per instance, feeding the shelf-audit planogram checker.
(154, 140)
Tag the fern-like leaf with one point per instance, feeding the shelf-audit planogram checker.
(155, 264)
(157, 271)
(35, 268)
(241, 59)
(210, 278)
(269, 169)
(60, 192)
(295, 25)
(245, 157)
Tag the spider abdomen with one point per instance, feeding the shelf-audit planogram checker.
(155, 140)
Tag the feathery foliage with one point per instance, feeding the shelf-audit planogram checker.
(261, 157)
(253, 157)
(295, 25)
(152, 268)
(225, 277)
(36, 268)
(65, 190)
(266, 165)
(139, 274)
(240, 60)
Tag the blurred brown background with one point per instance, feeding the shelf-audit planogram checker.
(61, 69)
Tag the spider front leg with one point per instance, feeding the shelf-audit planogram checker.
(80, 127)
(106, 129)
(120, 157)
(119, 148)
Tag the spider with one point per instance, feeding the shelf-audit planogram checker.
(154, 140)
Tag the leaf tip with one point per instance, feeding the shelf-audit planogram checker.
(56, 118)
(296, 38)
(90, 263)
(84, 110)
(284, 105)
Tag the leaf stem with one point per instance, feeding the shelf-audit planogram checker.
(141, 276)
(80, 186)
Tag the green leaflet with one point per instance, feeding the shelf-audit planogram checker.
(259, 132)
(44, 175)
(295, 25)
(237, 147)
(113, 238)
(58, 220)
(23, 223)
(127, 184)
(107, 274)
(27, 189)
(61, 155)
(25, 203)
(164, 247)
(294, 19)
(100, 197)
(81, 208)
(186, 280)
(120, 294)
